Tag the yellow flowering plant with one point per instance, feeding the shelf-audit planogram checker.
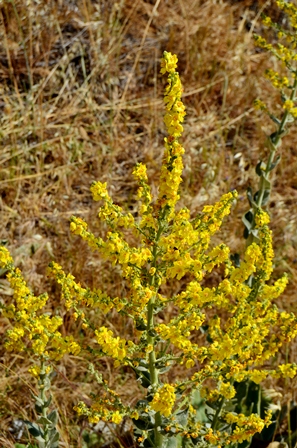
(285, 51)
(219, 336)
(174, 246)
(37, 333)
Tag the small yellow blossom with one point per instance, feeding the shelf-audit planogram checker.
(116, 417)
(288, 105)
(261, 218)
(168, 63)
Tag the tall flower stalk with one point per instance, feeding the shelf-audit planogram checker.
(287, 86)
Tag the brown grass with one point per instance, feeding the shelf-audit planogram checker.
(81, 99)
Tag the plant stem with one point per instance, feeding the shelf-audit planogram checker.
(275, 142)
(154, 374)
(217, 414)
(152, 367)
(43, 398)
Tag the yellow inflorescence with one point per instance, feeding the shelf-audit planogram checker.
(103, 410)
(246, 426)
(164, 400)
(112, 346)
(29, 326)
(172, 165)
(286, 53)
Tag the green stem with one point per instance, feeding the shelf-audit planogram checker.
(43, 398)
(217, 414)
(152, 367)
(275, 142)
(154, 373)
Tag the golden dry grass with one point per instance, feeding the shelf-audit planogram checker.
(81, 100)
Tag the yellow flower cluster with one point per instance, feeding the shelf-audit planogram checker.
(213, 437)
(261, 218)
(290, 107)
(246, 426)
(290, 9)
(99, 411)
(112, 346)
(107, 405)
(110, 212)
(276, 80)
(131, 259)
(227, 390)
(259, 105)
(164, 400)
(148, 221)
(179, 330)
(28, 325)
(212, 217)
(186, 237)
(172, 165)
(75, 296)
(285, 371)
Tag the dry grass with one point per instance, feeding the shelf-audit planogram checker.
(81, 99)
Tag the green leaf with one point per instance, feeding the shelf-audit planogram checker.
(34, 429)
(274, 164)
(271, 140)
(47, 384)
(152, 333)
(141, 368)
(182, 417)
(236, 259)
(38, 408)
(150, 443)
(92, 439)
(266, 183)
(248, 219)
(41, 440)
(199, 405)
(140, 325)
(53, 417)
(21, 445)
(211, 405)
(274, 119)
(261, 166)
(141, 404)
(143, 376)
(165, 368)
(250, 197)
(38, 400)
(144, 424)
(266, 197)
(55, 437)
(266, 194)
(44, 421)
(48, 402)
(173, 442)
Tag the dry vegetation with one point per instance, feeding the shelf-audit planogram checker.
(81, 99)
